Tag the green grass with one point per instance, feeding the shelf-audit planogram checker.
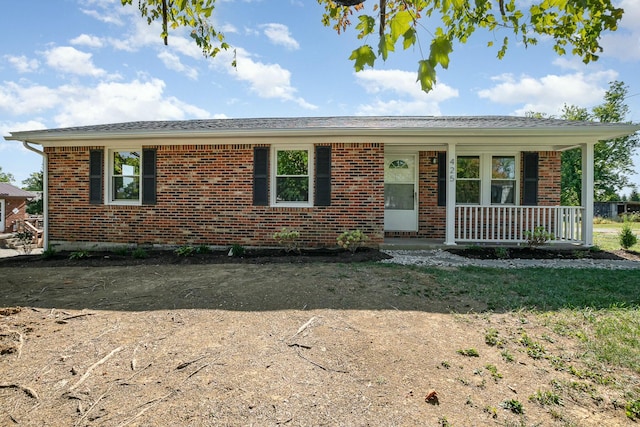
(540, 288)
(608, 241)
(600, 308)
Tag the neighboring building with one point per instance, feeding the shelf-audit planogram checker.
(237, 181)
(13, 206)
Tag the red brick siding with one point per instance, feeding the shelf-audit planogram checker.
(204, 196)
(11, 203)
(549, 170)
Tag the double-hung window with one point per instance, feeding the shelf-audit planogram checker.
(486, 179)
(293, 176)
(125, 176)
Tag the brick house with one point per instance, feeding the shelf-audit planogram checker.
(237, 181)
(13, 206)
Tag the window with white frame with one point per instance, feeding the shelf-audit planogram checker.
(292, 180)
(486, 179)
(124, 180)
(468, 182)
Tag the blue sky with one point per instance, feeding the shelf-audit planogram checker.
(82, 62)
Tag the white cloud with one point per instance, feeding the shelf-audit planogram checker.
(22, 64)
(87, 40)
(70, 60)
(266, 80)
(172, 62)
(105, 102)
(279, 34)
(17, 99)
(403, 93)
(550, 93)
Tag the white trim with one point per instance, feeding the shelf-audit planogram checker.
(450, 219)
(310, 149)
(2, 215)
(414, 226)
(108, 177)
(587, 193)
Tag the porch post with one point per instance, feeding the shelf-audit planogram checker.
(450, 222)
(587, 193)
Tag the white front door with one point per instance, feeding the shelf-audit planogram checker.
(2, 216)
(400, 194)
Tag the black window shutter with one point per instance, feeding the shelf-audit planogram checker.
(95, 176)
(261, 176)
(442, 179)
(530, 179)
(323, 176)
(149, 176)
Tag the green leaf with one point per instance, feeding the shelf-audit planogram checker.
(385, 46)
(400, 24)
(363, 56)
(441, 47)
(409, 38)
(426, 75)
(366, 26)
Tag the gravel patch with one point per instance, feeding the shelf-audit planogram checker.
(440, 258)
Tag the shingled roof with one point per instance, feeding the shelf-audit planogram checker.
(8, 190)
(348, 125)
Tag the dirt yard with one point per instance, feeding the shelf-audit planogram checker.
(309, 344)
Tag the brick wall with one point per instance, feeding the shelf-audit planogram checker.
(549, 173)
(204, 196)
(11, 203)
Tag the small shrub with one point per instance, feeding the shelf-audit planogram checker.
(632, 409)
(513, 405)
(185, 251)
(507, 356)
(626, 236)
(237, 250)
(139, 253)
(539, 236)
(469, 352)
(49, 252)
(352, 240)
(288, 239)
(26, 241)
(502, 253)
(494, 372)
(203, 249)
(79, 254)
(122, 251)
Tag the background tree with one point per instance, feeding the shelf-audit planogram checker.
(6, 176)
(613, 162)
(573, 25)
(34, 184)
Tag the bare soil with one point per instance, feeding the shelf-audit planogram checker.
(159, 342)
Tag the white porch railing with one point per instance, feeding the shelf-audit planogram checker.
(509, 224)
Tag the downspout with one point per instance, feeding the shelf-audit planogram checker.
(45, 193)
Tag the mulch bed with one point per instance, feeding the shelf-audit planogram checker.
(480, 252)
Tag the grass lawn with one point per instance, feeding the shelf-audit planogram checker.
(605, 235)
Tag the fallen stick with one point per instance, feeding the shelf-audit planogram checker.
(28, 390)
(78, 315)
(305, 326)
(185, 364)
(151, 403)
(92, 367)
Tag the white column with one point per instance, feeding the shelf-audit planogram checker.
(451, 196)
(587, 193)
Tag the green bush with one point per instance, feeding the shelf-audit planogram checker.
(139, 253)
(203, 249)
(288, 239)
(538, 237)
(626, 236)
(352, 240)
(49, 252)
(79, 254)
(185, 251)
(237, 250)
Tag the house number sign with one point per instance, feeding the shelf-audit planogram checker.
(452, 170)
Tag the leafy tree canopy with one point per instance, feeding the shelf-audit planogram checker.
(33, 183)
(613, 162)
(575, 26)
(6, 176)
